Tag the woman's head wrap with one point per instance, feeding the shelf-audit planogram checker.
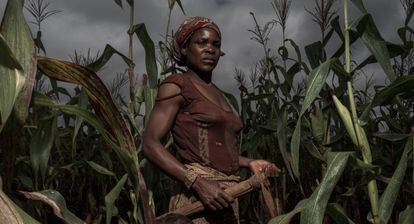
(184, 33)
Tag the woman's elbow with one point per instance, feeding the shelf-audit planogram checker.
(146, 145)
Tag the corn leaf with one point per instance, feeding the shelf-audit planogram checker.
(314, 53)
(285, 218)
(360, 5)
(316, 81)
(181, 5)
(40, 99)
(108, 114)
(82, 103)
(318, 125)
(338, 214)
(313, 150)
(150, 95)
(38, 41)
(393, 49)
(350, 127)
(282, 140)
(314, 212)
(40, 146)
(18, 37)
(400, 86)
(392, 137)
(375, 43)
(346, 119)
(98, 94)
(11, 213)
(313, 209)
(410, 13)
(118, 2)
(353, 36)
(100, 169)
(296, 47)
(130, 2)
(11, 81)
(291, 72)
(57, 202)
(108, 52)
(388, 198)
(407, 216)
(111, 197)
(150, 61)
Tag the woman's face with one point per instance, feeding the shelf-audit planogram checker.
(203, 51)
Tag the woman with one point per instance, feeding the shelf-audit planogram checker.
(203, 126)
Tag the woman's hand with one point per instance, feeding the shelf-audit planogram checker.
(263, 166)
(211, 194)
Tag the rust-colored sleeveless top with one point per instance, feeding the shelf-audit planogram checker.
(203, 132)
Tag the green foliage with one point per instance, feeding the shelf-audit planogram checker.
(302, 119)
(388, 198)
(318, 121)
(12, 81)
(112, 196)
(108, 52)
(151, 64)
(313, 209)
(57, 202)
(40, 147)
(316, 81)
(10, 213)
(17, 34)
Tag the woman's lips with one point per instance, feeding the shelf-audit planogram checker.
(209, 60)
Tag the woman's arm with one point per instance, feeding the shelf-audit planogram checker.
(244, 161)
(258, 165)
(159, 124)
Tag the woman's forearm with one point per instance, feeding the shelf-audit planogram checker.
(244, 161)
(157, 154)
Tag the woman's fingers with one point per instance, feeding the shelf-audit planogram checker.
(272, 170)
(229, 199)
(211, 194)
(222, 201)
(215, 205)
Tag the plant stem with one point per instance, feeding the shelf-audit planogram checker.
(366, 151)
(163, 48)
(131, 69)
(167, 29)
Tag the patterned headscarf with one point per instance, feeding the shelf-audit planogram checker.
(184, 33)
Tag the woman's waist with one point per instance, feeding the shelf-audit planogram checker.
(222, 163)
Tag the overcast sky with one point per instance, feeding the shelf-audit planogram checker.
(90, 24)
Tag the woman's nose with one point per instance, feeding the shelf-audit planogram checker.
(210, 48)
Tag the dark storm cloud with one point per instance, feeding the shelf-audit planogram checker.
(90, 24)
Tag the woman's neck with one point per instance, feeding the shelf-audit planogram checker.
(206, 78)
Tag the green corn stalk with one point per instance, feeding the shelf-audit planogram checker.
(131, 67)
(361, 140)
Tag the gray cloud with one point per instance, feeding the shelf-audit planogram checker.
(91, 24)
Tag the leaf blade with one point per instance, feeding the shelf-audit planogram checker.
(315, 210)
(18, 36)
(389, 197)
(57, 202)
(316, 81)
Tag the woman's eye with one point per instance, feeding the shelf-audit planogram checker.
(201, 42)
